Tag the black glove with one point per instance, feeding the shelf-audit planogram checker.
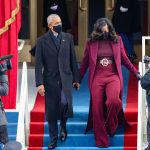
(138, 76)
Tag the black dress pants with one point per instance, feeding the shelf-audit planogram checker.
(53, 125)
(3, 134)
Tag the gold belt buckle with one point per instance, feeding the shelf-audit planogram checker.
(104, 62)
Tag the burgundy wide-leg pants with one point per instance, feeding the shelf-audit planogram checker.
(106, 103)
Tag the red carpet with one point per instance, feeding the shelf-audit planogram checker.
(131, 114)
(37, 124)
(130, 136)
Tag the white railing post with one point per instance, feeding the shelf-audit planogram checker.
(23, 108)
(139, 128)
(26, 118)
(141, 131)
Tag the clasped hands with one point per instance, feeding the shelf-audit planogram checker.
(76, 85)
(41, 88)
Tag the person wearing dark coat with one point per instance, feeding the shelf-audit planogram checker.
(3, 120)
(24, 30)
(5, 143)
(56, 70)
(103, 55)
(126, 20)
(145, 83)
(12, 145)
(58, 7)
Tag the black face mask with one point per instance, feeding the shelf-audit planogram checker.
(57, 28)
(105, 35)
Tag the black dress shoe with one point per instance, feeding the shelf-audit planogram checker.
(111, 135)
(52, 145)
(63, 134)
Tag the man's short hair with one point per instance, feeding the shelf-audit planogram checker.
(51, 17)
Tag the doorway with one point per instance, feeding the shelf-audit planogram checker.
(82, 15)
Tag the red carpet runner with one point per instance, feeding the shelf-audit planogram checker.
(130, 134)
(37, 124)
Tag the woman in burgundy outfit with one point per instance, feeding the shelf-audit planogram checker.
(104, 53)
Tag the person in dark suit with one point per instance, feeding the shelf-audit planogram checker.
(145, 84)
(58, 7)
(24, 30)
(12, 145)
(103, 55)
(3, 120)
(55, 71)
(126, 20)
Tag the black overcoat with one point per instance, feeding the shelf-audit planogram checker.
(3, 92)
(145, 81)
(61, 11)
(56, 70)
(127, 22)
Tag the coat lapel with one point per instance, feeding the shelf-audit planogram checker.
(117, 55)
(115, 51)
(50, 41)
(63, 42)
(94, 50)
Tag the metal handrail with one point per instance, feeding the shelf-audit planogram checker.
(140, 113)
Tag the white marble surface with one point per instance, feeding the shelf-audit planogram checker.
(32, 90)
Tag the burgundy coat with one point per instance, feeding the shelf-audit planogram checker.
(89, 61)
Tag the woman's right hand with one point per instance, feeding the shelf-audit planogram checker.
(138, 76)
(41, 90)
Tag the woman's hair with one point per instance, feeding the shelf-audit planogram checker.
(97, 33)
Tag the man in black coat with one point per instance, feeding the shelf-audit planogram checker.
(126, 20)
(126, 17)
(145, 83)
(56, 71)
(58, 7)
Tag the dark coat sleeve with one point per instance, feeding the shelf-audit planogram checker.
(145, 81)
(125, 59)
(3, 85)
(73, 62)
(39, 63)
